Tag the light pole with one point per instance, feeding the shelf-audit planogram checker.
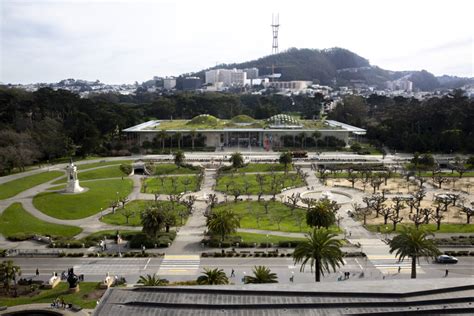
(101, 215)
(267, 243)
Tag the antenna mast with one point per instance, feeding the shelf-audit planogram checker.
(275, 25)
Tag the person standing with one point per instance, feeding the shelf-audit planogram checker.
(446, 273)
(37, 272)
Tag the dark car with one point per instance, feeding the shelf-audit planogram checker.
(446, 259)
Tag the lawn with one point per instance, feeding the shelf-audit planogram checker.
(170, 185)
(75, 206)
(238, 182)
(250, 211)
(14, 187)
(261, 238)
(102, 173)
(16, 220)
(87, 296)
(260, 167)
(445, 228)
(101, 164)
(168, 168)
(137, 206)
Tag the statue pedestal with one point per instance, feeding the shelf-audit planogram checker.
(53, 282)
(74, 187)
(74, 289)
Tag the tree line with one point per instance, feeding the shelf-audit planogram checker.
(444, 124)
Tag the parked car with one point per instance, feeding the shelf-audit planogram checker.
(446, 259)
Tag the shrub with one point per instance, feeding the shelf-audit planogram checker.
(20, 237)
(126, 168)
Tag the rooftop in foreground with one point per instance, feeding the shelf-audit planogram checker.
(410, 297)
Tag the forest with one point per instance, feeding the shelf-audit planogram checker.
(46, 124)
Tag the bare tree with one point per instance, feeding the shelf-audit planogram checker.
(266, 204)
(398, 204)
(293, 199)
(437, 217)
(395, 219)
(426, 212)
(277, 218)
(189, 202)
(260, 180)
(453, 197)
(439, 179)
(113, 204)
(212, 199)
(375, 182)
(127, 213)
(236, 194)
(352, 177)
(123, 200)
(385, 212)
(363, 212)
(417, 219)
(469, 211)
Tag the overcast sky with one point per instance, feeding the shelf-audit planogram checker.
(123, 41)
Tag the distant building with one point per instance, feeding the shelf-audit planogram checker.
(229, 77)
(169, 83)
(252, 73)
(192, 83)
(293, 86)
(402, 84)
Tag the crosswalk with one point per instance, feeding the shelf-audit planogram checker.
(388, 264)
(179, 265)
(378, 253)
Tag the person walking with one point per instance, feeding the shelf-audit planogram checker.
(37, 272)
(232, 273)
(446, 273)
(399, 269)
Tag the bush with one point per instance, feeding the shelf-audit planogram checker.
(141, 239)
(126, 168)
(75, 254)
(20, 237)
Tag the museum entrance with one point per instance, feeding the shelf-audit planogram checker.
(242, 140)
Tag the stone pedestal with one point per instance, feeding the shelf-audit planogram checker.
(72, 181)
(74, 187)
(74, 289)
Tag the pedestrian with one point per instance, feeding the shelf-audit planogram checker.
(350, 234)
(399, 269)
(37, 272)
(232, 273)
(292, 278)
(446, 273)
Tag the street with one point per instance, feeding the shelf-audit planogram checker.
(188, 267)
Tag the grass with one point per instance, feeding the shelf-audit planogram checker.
(448, 174)
(16, 220)
(249, 211)
(445, 228)
(137, 206)
(12, 188)
(262, 238)
(101, 164)
(76, 206)
(168, 168)
(80, 298)
(102, 173)
(260, 167)
(238, 182)
(154, 185)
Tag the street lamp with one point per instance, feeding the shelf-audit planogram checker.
(267, 243)
(101, 215)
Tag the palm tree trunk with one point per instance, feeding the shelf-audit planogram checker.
(318, 271)
(413, 267)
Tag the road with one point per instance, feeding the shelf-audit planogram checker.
(188, 267)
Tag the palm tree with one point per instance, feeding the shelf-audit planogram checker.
(321, 214)
(152, 221)
(322, 251)
(223, 222)
(178, 138)
(285, 158)
(8, 272)
(152, 280)
(193, 137)
(413, 243)
(213, 277)
(237, 160)
(162, 134)
(261, 274)
(316, 135)
(179, 158)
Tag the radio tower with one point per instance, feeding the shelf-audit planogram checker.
(275, 26)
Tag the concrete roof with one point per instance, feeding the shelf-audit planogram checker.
(335, 298)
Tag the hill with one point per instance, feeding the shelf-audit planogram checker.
(339, 67)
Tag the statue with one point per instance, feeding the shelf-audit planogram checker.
(72, 181)
(73, 280)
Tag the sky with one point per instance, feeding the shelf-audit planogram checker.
(118, 41)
